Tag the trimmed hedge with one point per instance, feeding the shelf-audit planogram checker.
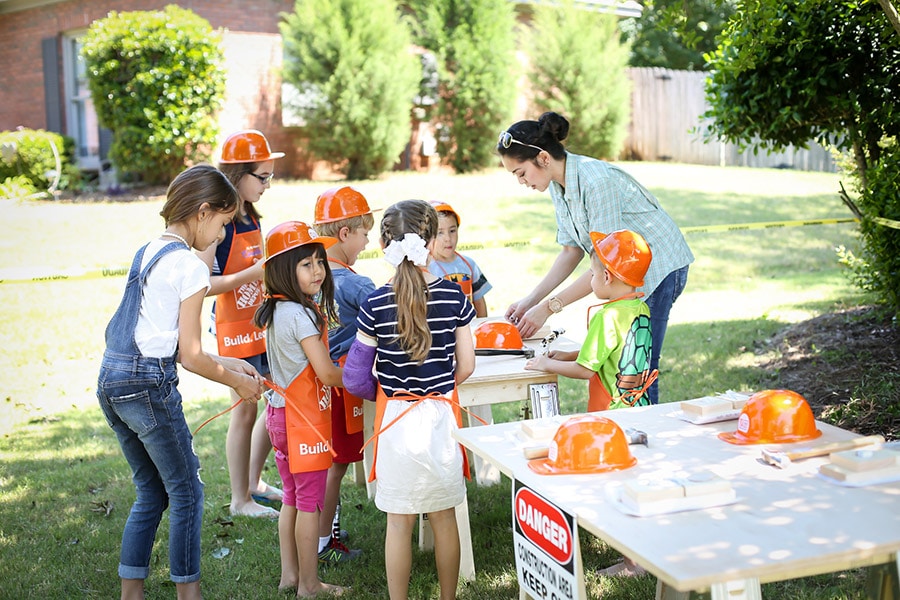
(28, 164)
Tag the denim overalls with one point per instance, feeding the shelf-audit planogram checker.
(139, 397)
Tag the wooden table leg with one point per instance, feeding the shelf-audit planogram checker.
(884, 582)
(485, 473)
(742, 589)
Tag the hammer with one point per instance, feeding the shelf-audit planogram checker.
(636, 436)
(782, 460)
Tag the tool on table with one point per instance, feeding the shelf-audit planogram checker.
(782, 459)
(636, 436)
(549, 339)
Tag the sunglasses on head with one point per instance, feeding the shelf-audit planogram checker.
(506, 140)
(263, 179)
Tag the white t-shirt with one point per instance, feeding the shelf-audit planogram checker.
(176, 276)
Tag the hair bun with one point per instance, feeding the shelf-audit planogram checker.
(555, 124)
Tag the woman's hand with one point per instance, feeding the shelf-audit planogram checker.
(532, 320)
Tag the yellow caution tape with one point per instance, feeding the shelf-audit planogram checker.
(29, 275)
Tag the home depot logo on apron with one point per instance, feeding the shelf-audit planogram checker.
(236, 335)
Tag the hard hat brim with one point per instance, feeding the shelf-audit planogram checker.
(270, 156)
(543, 466)
(739, 439)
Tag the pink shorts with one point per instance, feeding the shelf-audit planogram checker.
(304, 491)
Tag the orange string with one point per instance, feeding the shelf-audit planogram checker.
(229, 409)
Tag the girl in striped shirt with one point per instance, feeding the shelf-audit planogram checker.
(415, 332)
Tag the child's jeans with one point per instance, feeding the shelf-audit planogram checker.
(141, 403)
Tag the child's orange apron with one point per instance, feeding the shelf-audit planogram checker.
(308, 423)
(464, 284)
(236, 335)
(381, 401)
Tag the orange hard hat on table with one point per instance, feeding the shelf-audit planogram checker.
(498, 335)
(248, 145)
(774, 417)
(339, 203)
(583, 445)
(441, 206)
(625, 253)
(293, 234)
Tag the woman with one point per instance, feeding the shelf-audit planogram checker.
(591, 195)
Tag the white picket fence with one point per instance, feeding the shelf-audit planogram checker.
(666, 125)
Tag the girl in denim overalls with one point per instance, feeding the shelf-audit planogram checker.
(157, 324)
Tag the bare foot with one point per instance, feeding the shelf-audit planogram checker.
(322, 588)
(252, 509)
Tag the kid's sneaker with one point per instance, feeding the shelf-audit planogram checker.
(336, 552)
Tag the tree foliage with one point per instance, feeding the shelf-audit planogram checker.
(475, 45)
(350, 60)
(578, 70)
(675, 34)
(829, 70)
(157, 82)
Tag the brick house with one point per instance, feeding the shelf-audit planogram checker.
(43, 85)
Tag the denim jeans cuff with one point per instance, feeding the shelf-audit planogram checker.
(127, 572)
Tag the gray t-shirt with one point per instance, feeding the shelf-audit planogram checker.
(291, 323)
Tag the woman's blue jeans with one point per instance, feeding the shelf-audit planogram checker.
(660, 303)
(141, 403)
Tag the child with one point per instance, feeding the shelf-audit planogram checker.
(237, 273)
(158, 323)
(615, 355)
(450, 264)
(344, 214)
(415, 331)
(296, 271)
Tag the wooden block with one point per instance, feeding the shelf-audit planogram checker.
(540, 429)
(706, 406)
(859, 477)
(864, 460)
(645, 490)
(532, 452)
(705, 483)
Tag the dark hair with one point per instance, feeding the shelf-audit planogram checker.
(280, 277)
(546, 133)
(235, 172)
(192, 188)
(410, 291)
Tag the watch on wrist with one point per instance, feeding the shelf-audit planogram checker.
(555, 305)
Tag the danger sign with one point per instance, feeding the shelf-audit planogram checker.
(548, 559)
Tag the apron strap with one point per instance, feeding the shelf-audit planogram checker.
(283, 393)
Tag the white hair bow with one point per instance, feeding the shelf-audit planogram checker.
(411, 247)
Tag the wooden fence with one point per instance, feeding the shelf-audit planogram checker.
(666, 125)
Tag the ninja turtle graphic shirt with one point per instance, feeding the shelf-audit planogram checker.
(617, 346)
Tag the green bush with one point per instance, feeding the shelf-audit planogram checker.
(475, 45)
(28, 163)
(350, 61)
(578, 70)
(157, 82)
(878, 267)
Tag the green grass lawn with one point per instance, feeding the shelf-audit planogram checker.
(65, 489)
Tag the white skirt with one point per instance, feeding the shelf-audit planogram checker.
(419, 467)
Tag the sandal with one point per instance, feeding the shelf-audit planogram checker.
(271, 494)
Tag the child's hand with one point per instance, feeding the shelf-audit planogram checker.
(538, 363)
(251, 387)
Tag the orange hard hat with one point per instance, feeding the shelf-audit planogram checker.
(774, 417)
(586, 444)
(248, 145)
(339, 203)
(442, 206)
(498, 335)
(625, 253)
(293, 234)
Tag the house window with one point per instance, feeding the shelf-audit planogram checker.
(81, 120)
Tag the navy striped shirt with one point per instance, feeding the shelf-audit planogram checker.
(448, 308)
